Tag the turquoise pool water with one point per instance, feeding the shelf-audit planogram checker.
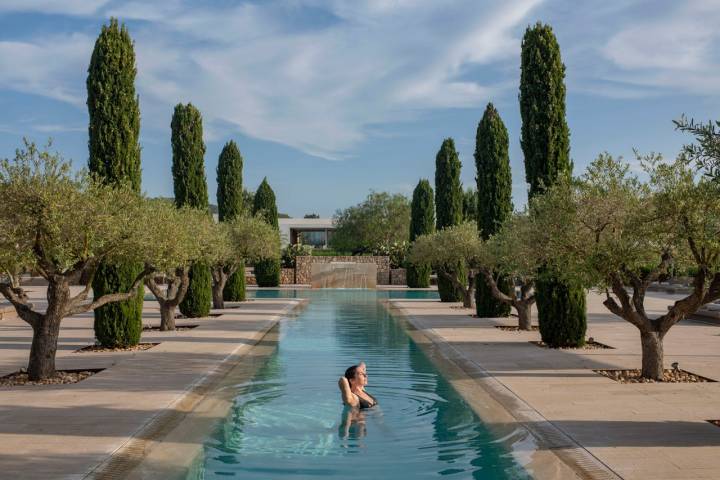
(289, 422)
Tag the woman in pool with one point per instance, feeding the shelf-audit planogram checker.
(352, 387)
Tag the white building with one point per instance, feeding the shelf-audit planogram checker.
(308, 231)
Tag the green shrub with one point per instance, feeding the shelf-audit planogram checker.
(267, 272)
(329, 252)
(486, 306)
(561, 313)
(234, 290)
(198, 298)
(291, 252)
(447, 291)
(397, 251)
(118, 324)
(418, 276)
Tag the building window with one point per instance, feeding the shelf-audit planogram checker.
(316, 238)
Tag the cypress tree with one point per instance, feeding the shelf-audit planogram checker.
(230, 206)
(448, 207)
(267, 270)
(470, 205)
(113, 133)
(422, 222)
(545, 141)
(494, 199)
(190, 187)
(448, 189)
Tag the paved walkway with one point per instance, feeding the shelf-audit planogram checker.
(53, 432)
(640, 431)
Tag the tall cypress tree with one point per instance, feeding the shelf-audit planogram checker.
(230, 206)
(113, 131)
(545, 140)
(422, 222)
(190, 186)
(267, 270)
(448, 207)
(494, 198)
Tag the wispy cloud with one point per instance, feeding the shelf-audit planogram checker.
(316, 87)
(50, 66)
(676, 50)
(65, 7)
(54, 128)
(322, 75)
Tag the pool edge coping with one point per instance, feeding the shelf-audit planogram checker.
(136, 447)
(552, 438)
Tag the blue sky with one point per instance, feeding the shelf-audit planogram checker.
(330, 99)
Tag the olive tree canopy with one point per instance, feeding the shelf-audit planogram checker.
(610, 230)
(63, 225)
(445, 249)
(232, 243)
(507, 254)
(381, 220)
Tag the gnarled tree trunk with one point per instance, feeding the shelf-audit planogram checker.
(220, 275)
(44, 346)
(468, 293)
(177, 287)
(167, 316)
(652, 354)
(523, 305)
(524, 310)
(217, 295)
(46, 331)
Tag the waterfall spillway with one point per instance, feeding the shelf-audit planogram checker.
(343, 275)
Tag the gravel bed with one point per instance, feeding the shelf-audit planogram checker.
(669, 376)
(211, 315)
(99, 348)
(61, 377)
(589, 345)
(515, 328)
(178, 328)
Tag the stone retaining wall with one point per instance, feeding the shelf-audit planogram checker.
(302, 270)
(398, 276)
(287, 276)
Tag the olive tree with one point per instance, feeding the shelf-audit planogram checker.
(608, 227)
(381, 219)
(63, 226)
(508, 254)
(445, 249)
(188, 229)
(232, 243)
(511, 254)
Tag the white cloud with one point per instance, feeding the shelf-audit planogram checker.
(64, 7)
(53, 67)
(317, 88)
(56, 127)
(673, 50)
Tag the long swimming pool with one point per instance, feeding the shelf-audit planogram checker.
(289, 422)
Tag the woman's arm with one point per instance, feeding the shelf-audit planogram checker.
(347, 396)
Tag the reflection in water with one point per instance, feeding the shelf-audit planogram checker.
(289, 421)
(352, 424)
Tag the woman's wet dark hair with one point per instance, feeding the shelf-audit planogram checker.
(350, 372)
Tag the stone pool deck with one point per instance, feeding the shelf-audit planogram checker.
(68, 431)
(633, 431)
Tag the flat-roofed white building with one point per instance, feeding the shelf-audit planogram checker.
(308, 231)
